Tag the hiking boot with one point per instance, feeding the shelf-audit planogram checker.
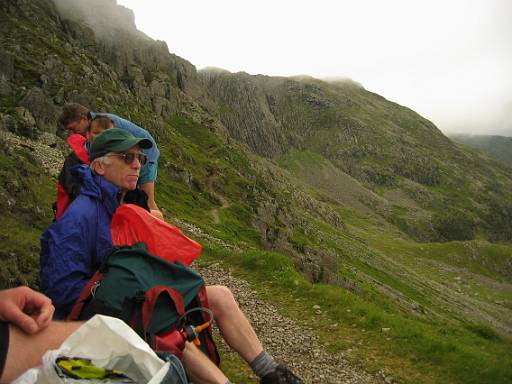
(281, 375)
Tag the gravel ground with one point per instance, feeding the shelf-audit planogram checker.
(286, 340)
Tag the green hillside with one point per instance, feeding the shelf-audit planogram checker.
(497, 147)
(315, 192)
(392, 151)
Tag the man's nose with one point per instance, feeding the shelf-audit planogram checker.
(136, 163)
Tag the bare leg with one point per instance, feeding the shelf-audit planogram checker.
(200, 368)
(25, 351)
(232, 323)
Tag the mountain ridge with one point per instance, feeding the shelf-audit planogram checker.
(496, 146)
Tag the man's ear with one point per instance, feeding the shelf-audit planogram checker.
(98, 167)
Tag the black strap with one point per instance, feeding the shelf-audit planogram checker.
(4, 344)
(98, 307)
(134, 307)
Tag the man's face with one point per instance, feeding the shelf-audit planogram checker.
(78, 126)
(119, 172)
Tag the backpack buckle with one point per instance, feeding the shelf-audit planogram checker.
(95, 287)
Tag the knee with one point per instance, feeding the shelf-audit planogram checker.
(221, 299)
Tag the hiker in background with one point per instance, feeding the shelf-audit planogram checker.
(27, 331)
(75, 118)
(73, 248)
(69, 181)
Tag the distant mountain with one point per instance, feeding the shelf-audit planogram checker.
(426, 185)
(498, 147)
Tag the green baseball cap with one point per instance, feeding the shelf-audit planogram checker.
(115, 140)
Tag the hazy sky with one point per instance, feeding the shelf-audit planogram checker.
(449, 60)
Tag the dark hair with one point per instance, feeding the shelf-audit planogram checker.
(102, 121)
(72, 112)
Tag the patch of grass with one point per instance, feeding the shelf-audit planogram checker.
(299, 239)
(235, 226)
(477, 256)
(484, 332)
(199, 134)
(296, 159)
(182, 200)
(25, 200)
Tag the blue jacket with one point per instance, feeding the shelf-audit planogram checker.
(73, 247)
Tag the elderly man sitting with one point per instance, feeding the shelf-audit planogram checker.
(73, 248)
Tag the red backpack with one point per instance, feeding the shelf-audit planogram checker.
(132, 224)
(68, 186)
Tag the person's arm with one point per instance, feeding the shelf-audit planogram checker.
(149, 188)
(66, 259)
(27, 309)
(25, 351)
(31, 332)
(149, 170)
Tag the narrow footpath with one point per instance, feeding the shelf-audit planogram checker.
(224, 203)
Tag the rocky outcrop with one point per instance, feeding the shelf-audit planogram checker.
(42, 109)
(241, 104)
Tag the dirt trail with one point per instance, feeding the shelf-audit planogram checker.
(224, 203)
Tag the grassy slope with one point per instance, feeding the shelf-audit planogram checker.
(458, 285)
(26, 196)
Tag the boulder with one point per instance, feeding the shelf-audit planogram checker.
(25, 125)
(42, 109)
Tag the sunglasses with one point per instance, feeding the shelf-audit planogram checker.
(130, 157)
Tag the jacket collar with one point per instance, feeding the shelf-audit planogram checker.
(99, 188)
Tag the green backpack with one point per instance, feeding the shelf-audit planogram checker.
(164, 302)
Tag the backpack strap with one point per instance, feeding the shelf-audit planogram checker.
(62, 202)
(206, 336)
(152, 296)
(85, 295)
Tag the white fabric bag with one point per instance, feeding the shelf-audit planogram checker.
(109, 343)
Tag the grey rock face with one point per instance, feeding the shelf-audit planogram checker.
(248, 117)
(42, 109)
(6, 65)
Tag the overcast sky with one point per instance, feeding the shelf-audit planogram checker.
(449, 60)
